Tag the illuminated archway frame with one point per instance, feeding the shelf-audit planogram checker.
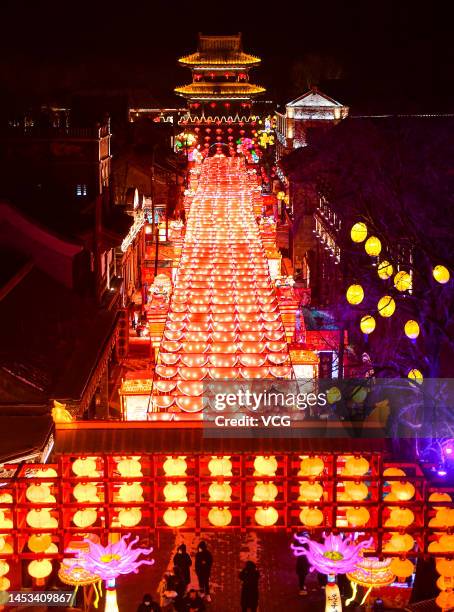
(197, 481)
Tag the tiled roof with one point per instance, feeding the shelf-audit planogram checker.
(224, 90)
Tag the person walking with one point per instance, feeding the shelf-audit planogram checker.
(203, 564)
(302, 569)
(249, 577)
(183, 562)
(148, 604)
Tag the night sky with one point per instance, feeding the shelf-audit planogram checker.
(369, 51)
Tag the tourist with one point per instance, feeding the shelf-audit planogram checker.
(193, 602)
(167, 592)
(203, 563)
(249, 576)
(148, 604)
(183, 562)
(302, 569)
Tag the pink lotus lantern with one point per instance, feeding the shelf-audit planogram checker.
(337, 555)
(108, 562)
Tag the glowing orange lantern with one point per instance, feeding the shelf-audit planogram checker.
(175, 517)
(40, 568)
(312, 517)
(266, 516)
(220, 517)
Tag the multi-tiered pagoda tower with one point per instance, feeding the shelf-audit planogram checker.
(220, 85)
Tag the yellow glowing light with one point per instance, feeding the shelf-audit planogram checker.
(373, 246)
(175, 466)
(386, 306)
(367, 324)
(355, 294)
(265, 492)
(310, 491)
(412, 329)
(441, 274)
(85, 517)
(220, 492)
(130, 468)
(415, 375)
(358, 232)
(333, 395)
(265, 466)
(41, 519)
(175, 517)
(85, 466)
(176, 492)
(311, 466)
(357, 517)
(220, 466)
(129, 517)
(86, 492)
(220, 517)
(4, 568)
(385, 270)
(312, 517)
(39, 494)
(266, 517)
(356, 466)
(403, 281)
(40, 568)
(39, 542)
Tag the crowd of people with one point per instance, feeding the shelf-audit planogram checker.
(175, 594)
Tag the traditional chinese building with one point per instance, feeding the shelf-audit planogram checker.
(220, 78)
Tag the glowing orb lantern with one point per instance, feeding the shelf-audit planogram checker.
(86, 492)
(175, 466)
(220, 466)
(358, 232)
(130, 468)
(265, 466)
(400, 542)
(415, 375)
(373, 246)
(220, 517)
(131, 492)
(311, 517)
(403, 491)
(385, 270)
(400, 517)
(4, 568)
(85, 466)
(129, 517)
(220, 492)
(4, 583)
(441, 274)
(386, 306)
(266, 516)
(39, 494)
(402, 568)
(40, 568)
(39, 543)
(411, 329)
(311, 466)
(367, 324)
(175, 517)
(357, 517)
(310, 491)
(356, 491)
(356, 466)
(85, 518)
(176, 492)
(402, 281)
(265, 492)
(41, 519)
(333, 395)
(355, 294)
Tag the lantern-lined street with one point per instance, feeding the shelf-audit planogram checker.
(226, 309)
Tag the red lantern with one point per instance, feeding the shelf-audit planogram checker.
(229, 130)
(227, 105)
(218, 131)
(208, 130)
(213, 104)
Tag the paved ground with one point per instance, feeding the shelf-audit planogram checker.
(278, 584)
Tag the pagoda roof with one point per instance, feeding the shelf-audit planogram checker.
(314, 99)
(219, 91)
(219, 51)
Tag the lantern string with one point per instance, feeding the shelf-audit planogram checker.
(354, 591)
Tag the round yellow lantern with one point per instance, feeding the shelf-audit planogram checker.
(265, 492)
(411, 329)
(130, 468)
(220, 517)
(86, 492)
(131, 492)
(129, 517)
(445, 600)
(373, 246)
(439, 497)
(358, 232)
(310, 491)
(445, 567)
(4, 568)
(403, 491)
(415, 375)
(311, 466)
(441, 274)
(311, 517)
(385, 270)
(265, 466)
(175, 466)
(176, 492)
(40, 568)
(39, 543)
(266, 517)
(393, 471)
(386, 306)
(333, 395)
(175, 517)
(6, 498)
(5, 523)
(400, 517)
(85, 467)
(85, 518)
(400, 542)
(402, 568)
(444, 518)
(45, 473)
(367, 324)
(355, 294)
(39, 494)
(4, 583)
(356, 466)
(356, 491)
(41, 519)
(220, 466)
(357, 517)
(402, 281)
(220, 492)
(444, 583)
(5, 548)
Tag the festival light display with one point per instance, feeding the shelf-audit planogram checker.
(224, 321)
